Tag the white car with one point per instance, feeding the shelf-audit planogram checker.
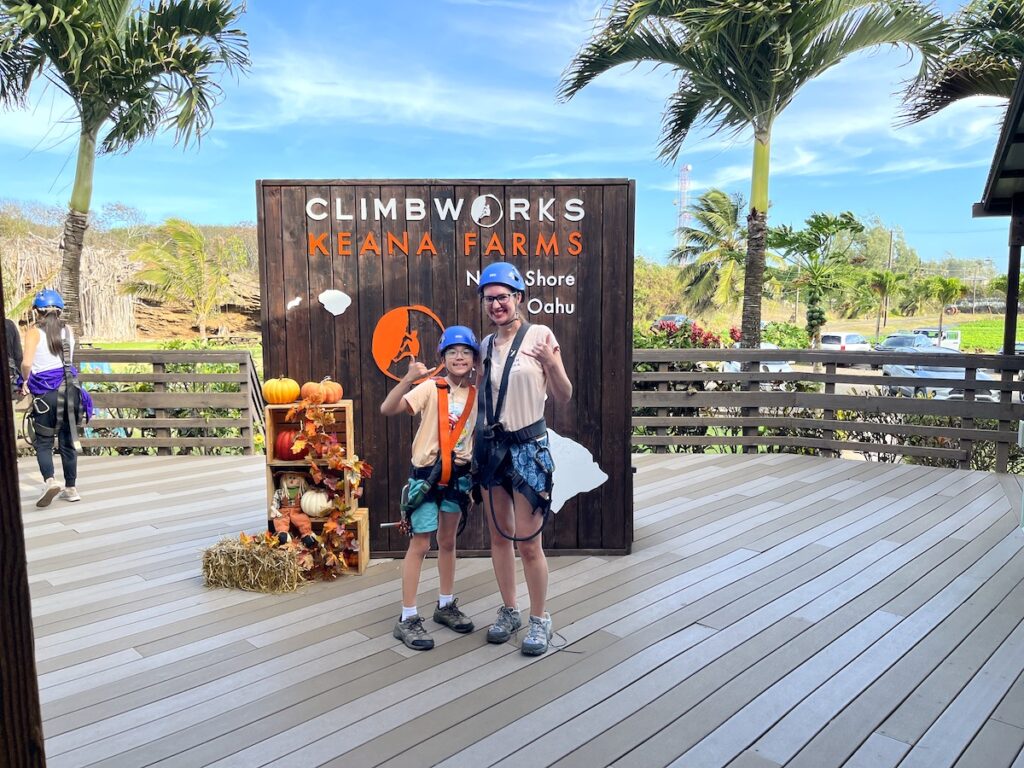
(766, 366)
(844, 341)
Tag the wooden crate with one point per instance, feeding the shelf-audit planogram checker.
(276, 420)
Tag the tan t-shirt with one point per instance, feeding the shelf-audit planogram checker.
(425, 443)
(527, 383)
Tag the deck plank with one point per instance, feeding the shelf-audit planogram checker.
(777, 609)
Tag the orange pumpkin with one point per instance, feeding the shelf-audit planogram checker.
(332, 390)
(280, 390)
(313, 391)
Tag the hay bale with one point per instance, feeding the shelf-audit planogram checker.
(252, 564)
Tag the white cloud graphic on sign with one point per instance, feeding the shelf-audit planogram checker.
(575, 469)
(335, 302)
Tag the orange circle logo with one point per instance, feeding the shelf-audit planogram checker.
(401, 333)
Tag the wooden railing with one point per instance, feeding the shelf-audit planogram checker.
(164, 398)
(681, 399)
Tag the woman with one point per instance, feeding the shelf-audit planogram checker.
(58, 401)
(512, 459)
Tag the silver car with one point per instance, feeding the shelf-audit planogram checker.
(906, 368)
(765, 366)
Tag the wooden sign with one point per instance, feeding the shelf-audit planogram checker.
(358, 277)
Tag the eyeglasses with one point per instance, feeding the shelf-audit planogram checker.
(458, 352)
(501, 298)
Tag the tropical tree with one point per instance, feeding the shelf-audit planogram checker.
(982, 54)
(181, 267)
(654, 292)
(712, 253)
(914, 295)
(739, 65)
(821, 254)
(884, 283)
(946, 290)
(130, 73)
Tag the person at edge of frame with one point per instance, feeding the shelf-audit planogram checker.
(432, 502)
(516, 488)
(58, 402)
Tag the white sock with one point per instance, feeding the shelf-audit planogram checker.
(443, 601)
(408, 613)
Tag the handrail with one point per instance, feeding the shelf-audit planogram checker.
(681, 399)
(173, 412)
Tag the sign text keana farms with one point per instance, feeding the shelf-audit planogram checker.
(486, 211)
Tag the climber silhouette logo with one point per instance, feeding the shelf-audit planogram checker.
(401, 334)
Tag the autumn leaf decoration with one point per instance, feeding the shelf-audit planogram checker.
(330, 465)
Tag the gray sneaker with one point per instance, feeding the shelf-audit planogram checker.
(412, 633)
(508, 622)
(537, 638)
(452, 617)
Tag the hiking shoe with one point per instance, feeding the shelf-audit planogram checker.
(453, 618)
(50, 490)
(412, 633)
(508, 622)
(69, 494)
(536, 641)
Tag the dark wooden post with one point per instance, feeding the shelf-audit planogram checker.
(967, 422)
(21, 726)
(830, 413)
(160, 385)
(1013, 273)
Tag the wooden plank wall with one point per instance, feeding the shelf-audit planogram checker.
(304, 341)
(21, 725)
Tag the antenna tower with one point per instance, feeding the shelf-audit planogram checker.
(683, 201)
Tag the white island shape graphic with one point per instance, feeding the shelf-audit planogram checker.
(575, 469)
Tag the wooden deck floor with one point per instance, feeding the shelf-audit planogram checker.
(777, 610)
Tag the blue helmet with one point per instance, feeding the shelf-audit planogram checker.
(455, 335)
(502, 273)
(48, 299)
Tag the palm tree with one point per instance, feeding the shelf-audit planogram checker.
(884, 283)
(820, 253)
(914, 295)
(130, 72)
(182, 268)
(946, 290)
(739, 66)
(712, 253)
(981, 55)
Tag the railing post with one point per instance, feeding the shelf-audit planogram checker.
(830, 414)
(746, 412)
(967, 422)
(663, 386)
(1003, 447)
(245, 388)
(160, 413)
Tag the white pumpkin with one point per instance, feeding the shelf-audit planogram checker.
(315, 503)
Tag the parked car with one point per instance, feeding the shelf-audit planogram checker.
(903, 340)
(844, 341)
(896, 342)
(950, 337)
(766, 366)
(906, 367)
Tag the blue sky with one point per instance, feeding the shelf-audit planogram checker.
(466, 89)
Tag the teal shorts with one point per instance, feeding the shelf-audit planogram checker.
(424, 519)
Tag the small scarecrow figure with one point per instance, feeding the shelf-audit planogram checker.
(286, 509)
